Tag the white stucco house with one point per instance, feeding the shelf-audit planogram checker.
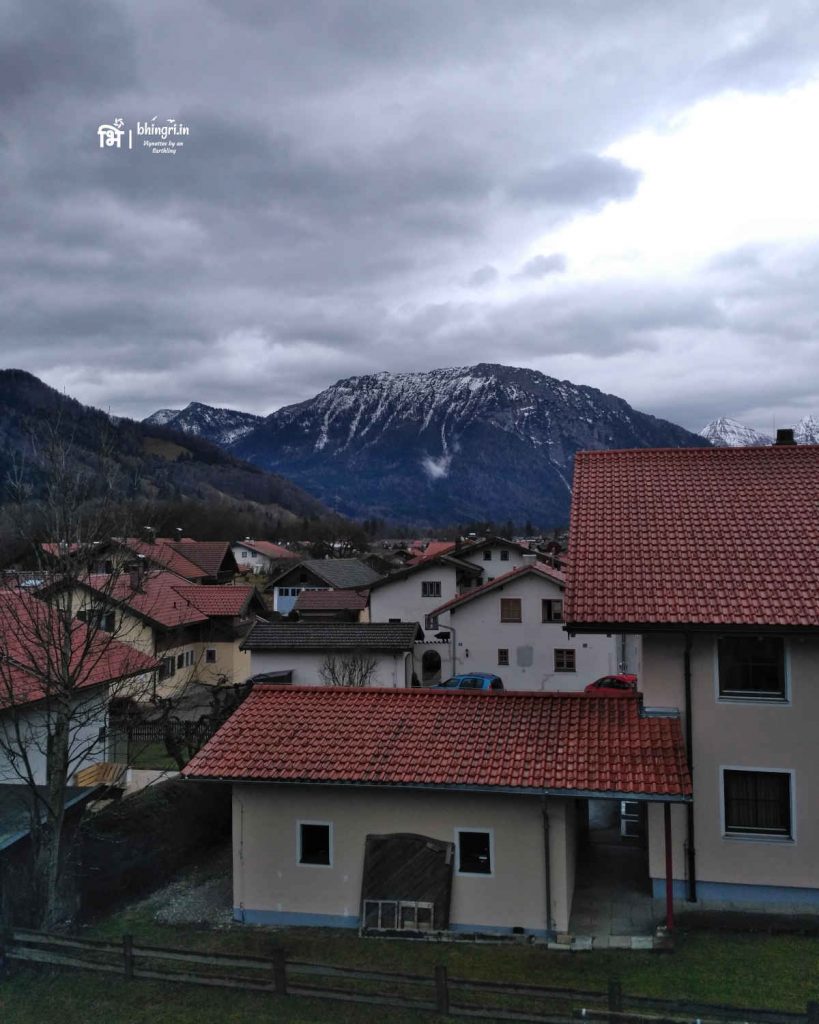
(260, 557)
(315, 653)
(513, 627)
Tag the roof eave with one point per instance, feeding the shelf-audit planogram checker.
(685, 627)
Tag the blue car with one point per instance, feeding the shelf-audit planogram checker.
(471, 681)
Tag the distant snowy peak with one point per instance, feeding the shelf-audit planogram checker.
(161, 417)
(806, 431)
(220, 426)
(727, 433)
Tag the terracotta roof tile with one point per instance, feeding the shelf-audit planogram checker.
(542, 741)
(720, 536)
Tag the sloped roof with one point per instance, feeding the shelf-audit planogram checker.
(216, 601)
(338, 573)
(15, 814)
(695, 536)
(332, 600)
(33, 637)
(421, 564)
(209, 554)
(156, 597)
(555, 742)
(167, 556)
(335, 636)
(268, 548)
(536, 569)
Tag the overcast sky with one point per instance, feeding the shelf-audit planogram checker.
(623, 193)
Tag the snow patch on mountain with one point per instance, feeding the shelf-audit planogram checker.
(161, 417)
(220, 426)
(806, 430)
(727, 433)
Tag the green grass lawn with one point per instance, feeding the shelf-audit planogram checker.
(748, 970)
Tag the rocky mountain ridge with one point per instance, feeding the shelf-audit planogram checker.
(725, 432)
(220, 426)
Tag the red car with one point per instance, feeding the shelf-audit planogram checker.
(622, 685)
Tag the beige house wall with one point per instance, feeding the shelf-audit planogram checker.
(270, 886)
(479, 633)
(734, 734)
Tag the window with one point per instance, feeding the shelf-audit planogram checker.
(180, 660)
(551, 610)
(393, 620)
(564, 659)
(210, 655)
(431, 588)
(188, 658)
(504, 555)
(254, 554)
(503, 655)
(167, 668)
(474, 851)
(757, 803)
(430, 622)
(244, 553)
(315, 841)
(510, 609)
(96, 618)
(751, 667)
(487, 555)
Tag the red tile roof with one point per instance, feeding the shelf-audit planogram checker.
(209, 554)
(540, 741)
(33, 636)
(268, 548)
(700, 536)
(536, 568)
(163, 554)
(332, 600)
(166, 599)
(216, 600)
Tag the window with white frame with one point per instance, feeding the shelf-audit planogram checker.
(503, 655)
(431, 588)
(244, 553)
(210, 655)
(473, 851)
(757, 803)
(487, 555)
(752, 668)
(314, 843)
(504, 555)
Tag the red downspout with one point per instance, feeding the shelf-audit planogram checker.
(669, 877)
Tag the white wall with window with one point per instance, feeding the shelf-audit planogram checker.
(391, 668)
(495, 559)
(411, 598)
(755, 705)
(513, 631)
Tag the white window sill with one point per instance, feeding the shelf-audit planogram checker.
(776, 702)
(753, 837)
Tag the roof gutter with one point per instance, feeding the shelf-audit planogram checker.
(586, 794)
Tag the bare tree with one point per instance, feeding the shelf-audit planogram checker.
(351, 668)
(64, 655)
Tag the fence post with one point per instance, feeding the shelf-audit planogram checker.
(615, 998)
(441, 990)
(279, 967)
(128, 955)
(812, 1012)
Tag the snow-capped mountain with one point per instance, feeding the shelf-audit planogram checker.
(469, 443)
(220, 426)
(806, 430)
(727, 433)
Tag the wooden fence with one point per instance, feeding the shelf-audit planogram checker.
(437, 993)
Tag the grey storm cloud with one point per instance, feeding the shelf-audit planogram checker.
(586, 180)
(541, 265)
(354, 172)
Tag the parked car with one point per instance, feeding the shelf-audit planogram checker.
(471, 681)
(621, 685)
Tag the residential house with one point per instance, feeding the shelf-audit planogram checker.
(712, 556)
(261, 557)
(513, 626)
(318, 574)
(47, 661)
(327, 653)
(195, 631)
(412, 593)
(495, 555)
(426, 811)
